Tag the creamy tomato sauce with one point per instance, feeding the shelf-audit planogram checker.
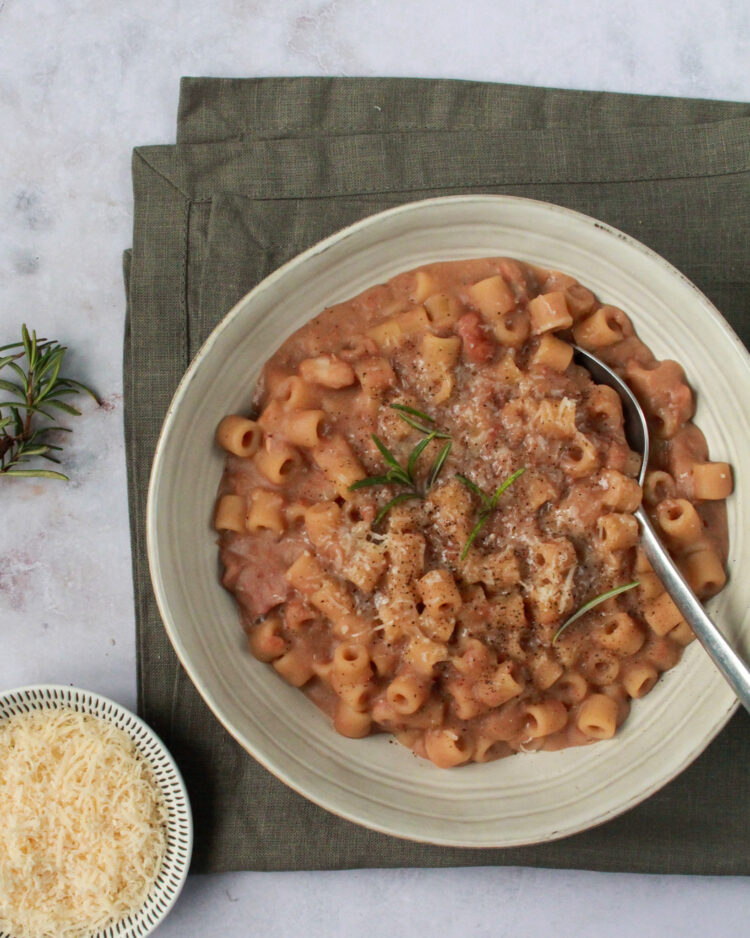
(374, 569)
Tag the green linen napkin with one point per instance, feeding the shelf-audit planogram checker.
(263, 169)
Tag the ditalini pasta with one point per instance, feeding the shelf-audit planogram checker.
(428, 489)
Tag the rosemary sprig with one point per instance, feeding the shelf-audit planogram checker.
(423, 422)
(39, 390)
(489, 503)
(592, 604)
(400, 475)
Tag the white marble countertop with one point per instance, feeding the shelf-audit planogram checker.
(82, 82)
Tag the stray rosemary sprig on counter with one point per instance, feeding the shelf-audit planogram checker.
(489, 503)
(39, 389)
(400, 475)
(592, 604)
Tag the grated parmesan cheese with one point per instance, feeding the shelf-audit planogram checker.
(82, 825)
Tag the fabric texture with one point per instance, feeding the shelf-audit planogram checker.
(264, 168)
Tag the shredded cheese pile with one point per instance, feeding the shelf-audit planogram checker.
(82, 825)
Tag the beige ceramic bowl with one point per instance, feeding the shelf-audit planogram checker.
(530, 797)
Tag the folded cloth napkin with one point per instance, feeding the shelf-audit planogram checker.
(264, 168)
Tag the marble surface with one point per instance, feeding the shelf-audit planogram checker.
(81, 82)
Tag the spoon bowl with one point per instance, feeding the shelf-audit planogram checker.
(731, 665)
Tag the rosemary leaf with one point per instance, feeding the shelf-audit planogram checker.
(370, 480)
(490, 504)
(473, 487)
(414, 413)
(13, 388)
(21, 374)
(4, 348)
(403, 411)
(26, 339)
(73, 411)
(403, 497)
(477, 528)
(505, 485)
(416, 453)
(72, 385)
(438, 464)
(592, 604)
(385, 452)
(36, 473)
(35, 451)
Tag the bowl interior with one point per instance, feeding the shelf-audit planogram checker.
(174, 869)
(528, 798)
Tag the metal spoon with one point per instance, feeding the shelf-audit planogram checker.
(725, 657)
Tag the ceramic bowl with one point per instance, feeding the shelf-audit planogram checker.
(520, 800)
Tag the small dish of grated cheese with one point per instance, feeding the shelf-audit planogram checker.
(84, 825)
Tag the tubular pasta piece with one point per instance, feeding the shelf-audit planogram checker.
(332, 599)
(638, 678)
(606, 326)
(444, 310)
(600, 667)
(704, 572)
(512, 330)
(407, 693)
(302, 427)
(597, 717)
(581, 457)
(265, 639)
(230, 513)
(501, 685)
(386, 334)
(580, 300)
(439, 592)
(545, 670)
(711, 480)
(277, 461)
(621, 493)
(424, 285)
(679, 520)
(661, 614)
(295, 667)
(293, 393)
(549, 311)
(604, 408)
(621, 634)
(352, 723)
(440, 354)
(337, 460)
(544, 718)
(413, 321)
(447, 748)
(552, 353)
(327, 370)
(266, 512)
(239, 435)
(375, 374)
(351, 665)
(305, 574)
(617, 531)
(571, 687)
(657, 487)
(492, 297)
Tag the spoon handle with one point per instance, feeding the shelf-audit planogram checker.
(725, 657)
